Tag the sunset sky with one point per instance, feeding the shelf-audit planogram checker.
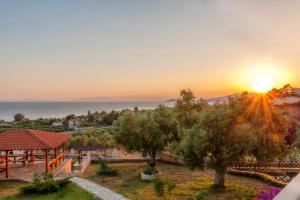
(145, 50)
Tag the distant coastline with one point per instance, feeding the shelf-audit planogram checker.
(58, 109)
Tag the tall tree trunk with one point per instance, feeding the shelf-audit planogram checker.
(152, 159)
(219, 178)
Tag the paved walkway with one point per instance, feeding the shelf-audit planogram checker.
(99, 191)
(291, 191)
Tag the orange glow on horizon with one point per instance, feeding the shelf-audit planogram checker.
(263, 77)
(262, 84)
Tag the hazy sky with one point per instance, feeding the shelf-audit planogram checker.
(138, 49)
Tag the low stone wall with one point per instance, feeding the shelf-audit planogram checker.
(162, 157)
(111, 160)
(170, 158)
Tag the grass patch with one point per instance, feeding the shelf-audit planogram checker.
(10, 190)
(188, 183)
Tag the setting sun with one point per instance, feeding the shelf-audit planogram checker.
(262, 84)
(263, 76)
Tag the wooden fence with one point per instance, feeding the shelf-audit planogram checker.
(85, 161)
(260, 167)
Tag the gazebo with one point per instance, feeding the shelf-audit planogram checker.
(31, 146)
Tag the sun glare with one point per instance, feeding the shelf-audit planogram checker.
(262, 84)
(262, 77)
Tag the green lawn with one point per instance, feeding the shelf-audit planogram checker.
(188, 182)
(10, 190)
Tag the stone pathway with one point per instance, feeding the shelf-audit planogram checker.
(99, 191)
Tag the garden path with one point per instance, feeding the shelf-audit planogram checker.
(99, 191)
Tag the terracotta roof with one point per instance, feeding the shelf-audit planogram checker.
(25, 139)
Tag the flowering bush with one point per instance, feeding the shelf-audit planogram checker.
(268, 194)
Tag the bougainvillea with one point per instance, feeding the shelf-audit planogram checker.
(268, 194)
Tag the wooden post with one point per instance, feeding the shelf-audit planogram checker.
(64, 151)
(55, 156)
(80, 156)
(55, 152)
(32, 156)
(24, 158)
(7, 164)
(46, 158)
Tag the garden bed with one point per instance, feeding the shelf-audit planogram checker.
(129, 183)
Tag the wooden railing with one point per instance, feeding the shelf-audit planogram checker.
(258, 167)
(22, 158)
(55, 162)
(277, 164)
(85, 161)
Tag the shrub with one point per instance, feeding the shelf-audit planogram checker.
(161, 187)
(28, 189)
(158, 185)
(105, 170)
(62, 183)
(44, 183)
(171, 185)
(268, 194)
(150, 170)
(202, 194)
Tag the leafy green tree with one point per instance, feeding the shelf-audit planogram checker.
(69, 117)
(109, 118)
(92, 137)
(270, 127)
(216, 141)
(90, 117)
(19, 117)
(187, 108)
(291, 137)
(297, 143)
(148, 132)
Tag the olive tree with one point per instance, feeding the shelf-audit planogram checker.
(216, 141)
(147, 132)
(92, 137)
(270, 126)
(187, 108)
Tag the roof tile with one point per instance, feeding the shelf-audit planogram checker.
(26, 139)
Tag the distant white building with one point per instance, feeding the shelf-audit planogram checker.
(286, 100)
(73, 123)
(297, 91)
(57, 123)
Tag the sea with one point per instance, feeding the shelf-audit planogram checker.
(35, 110)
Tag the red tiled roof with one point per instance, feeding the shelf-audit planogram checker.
(25, 139)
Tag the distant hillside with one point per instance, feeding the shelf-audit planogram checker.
(222, 99)
(285, 95)
(285, 91)
(287, 99)
(171, 100)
